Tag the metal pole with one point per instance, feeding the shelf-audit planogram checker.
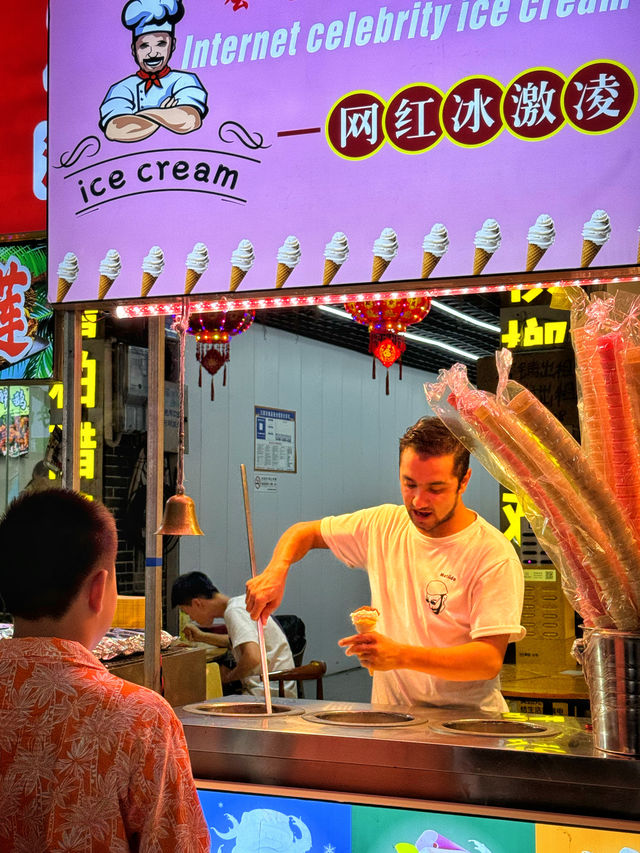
(252, 556)
(155, 479)
(72, 390)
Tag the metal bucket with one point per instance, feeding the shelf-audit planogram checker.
(611, 663)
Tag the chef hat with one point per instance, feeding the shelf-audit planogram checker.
(152, 16)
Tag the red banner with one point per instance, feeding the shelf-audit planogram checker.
(23, 165)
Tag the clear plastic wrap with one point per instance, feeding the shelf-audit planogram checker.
(526, 449)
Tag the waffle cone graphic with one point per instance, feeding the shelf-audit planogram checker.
(429, 261)
(379, 266)
(589, 251)
(534, 253)
(480, 260)
(237, 276)
(638, 258)
(103, 286)
(63, 288)
(282, 274)
(330, 270)
(192, 279)
(148, 281)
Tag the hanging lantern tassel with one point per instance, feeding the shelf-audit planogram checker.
(212, 332)
(386, 321)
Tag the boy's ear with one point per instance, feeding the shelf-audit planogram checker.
(97, 586)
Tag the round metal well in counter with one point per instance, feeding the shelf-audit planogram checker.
(375, 719)
(496, 728)
(241, 709)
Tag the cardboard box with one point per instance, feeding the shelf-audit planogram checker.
(129, 612)
(550, 623)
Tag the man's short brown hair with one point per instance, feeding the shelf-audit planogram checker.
(431, 437)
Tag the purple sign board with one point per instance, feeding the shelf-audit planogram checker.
(258, 144)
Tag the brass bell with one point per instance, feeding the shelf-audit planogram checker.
(179, 517)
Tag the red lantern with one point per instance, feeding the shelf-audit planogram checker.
(386, 320)
(212, 333)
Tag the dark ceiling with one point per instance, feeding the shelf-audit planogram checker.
(317, 324)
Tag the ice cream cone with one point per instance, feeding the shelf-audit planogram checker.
(63, 288)
(589, 251)
(282, 274)
(379, 266)
(148, 281)
(192, 279)
(638, 258)
(103, 286)
(480, 260)
(237, 275)
(534, 253)
(429, 261)
(330, 270)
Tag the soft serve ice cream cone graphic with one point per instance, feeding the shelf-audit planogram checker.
(486, 242)
(595, 234)
(109, 271)
(67, 274)
(385, 248)
(197, 263)
(336, 252)
(152, 266)
(242, 260)
(288, 259)
(434, 246)
(540, 237)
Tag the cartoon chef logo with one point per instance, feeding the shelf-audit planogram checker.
(436, 595)
(155, 96)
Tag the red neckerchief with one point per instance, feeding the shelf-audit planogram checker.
(152, 79)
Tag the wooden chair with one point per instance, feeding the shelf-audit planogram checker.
(312, 671)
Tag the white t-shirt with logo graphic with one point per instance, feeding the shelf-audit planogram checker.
(438, 592)
(242, 629)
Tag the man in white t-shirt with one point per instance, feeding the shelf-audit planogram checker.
(202, 602)
(448, 585)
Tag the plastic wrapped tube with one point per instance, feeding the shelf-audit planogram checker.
(594, 577)
(468, 413)
(570, 457)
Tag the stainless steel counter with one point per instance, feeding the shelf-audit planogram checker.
(558, 774)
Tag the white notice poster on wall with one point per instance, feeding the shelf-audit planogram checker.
(275, 440)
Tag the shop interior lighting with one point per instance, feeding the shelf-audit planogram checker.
(464, 318)
(410, 336)
(172, 305)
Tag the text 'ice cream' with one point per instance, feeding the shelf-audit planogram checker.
(434, 246)
(242, 260)
(336, 252)
(385, 248)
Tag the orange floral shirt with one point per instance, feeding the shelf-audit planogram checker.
(89, 763)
